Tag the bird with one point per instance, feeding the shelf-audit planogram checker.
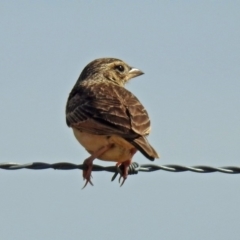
(107, 119)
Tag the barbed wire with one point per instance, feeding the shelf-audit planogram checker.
(134, 168)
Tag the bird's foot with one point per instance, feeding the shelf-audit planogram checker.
(88, 164)
(87, 171)
(124, 171)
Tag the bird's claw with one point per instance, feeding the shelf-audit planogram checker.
(122, 170)
(87, 176)
(123, 181)
(87, 181)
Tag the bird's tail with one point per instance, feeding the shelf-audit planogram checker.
(142, 144)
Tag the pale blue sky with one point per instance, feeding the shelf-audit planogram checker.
(190, 54)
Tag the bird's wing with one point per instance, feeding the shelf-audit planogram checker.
(107, 109)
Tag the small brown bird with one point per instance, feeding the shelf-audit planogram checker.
(108, 120)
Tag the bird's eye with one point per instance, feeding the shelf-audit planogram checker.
(120, 68)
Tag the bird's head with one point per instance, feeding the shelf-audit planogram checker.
(111, 69)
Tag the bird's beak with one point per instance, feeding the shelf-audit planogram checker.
(134, 72)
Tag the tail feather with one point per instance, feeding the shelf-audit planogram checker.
(145, 148)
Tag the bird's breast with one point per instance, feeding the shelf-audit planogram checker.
(120, 152)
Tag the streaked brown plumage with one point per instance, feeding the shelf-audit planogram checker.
(108, 120)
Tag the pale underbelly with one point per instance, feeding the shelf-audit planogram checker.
(120, 151)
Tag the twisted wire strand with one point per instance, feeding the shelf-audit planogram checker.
(134, 168)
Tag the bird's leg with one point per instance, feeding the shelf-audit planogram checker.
(125, 165)
(88, 163)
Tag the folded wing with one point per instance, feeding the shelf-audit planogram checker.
(109, 109)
